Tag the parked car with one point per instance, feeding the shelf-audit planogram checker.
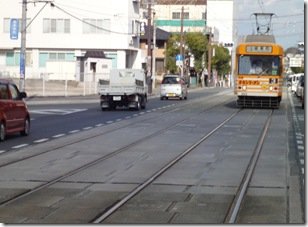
(14, 114)
(295, 79)
(303, 98)
(173, 86)
(300, 86)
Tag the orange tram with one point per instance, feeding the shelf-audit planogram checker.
(258, 72)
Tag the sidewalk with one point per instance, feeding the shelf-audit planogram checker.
(54, 93)
(58, 99)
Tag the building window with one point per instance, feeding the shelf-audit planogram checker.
(53, 56)
(101, 26)
(13, 58)
(136, 27)
(56, 25)
(203, 16)
(7, 24)
(177, 15)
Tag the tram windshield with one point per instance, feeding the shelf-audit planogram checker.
(258, 65)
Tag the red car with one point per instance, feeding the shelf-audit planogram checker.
(14, 114)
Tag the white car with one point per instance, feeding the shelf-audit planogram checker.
(295, 79)
(300, 86)
(173, 86)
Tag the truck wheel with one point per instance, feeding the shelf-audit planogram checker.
(143, 104)
(138, 104)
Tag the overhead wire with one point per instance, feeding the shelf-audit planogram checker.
(85, 22)
(35, 16)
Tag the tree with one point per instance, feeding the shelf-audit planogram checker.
(296, 70)
(221, 60)
(195, 43)
(171, 52)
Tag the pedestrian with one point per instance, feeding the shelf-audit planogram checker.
(202, 78)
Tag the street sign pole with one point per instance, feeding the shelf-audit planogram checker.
(22, 66)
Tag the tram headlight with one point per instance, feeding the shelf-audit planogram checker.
(244, 87)
(271, 88)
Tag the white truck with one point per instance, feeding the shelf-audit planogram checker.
(124, 87)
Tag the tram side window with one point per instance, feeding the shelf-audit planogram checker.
(259, 65)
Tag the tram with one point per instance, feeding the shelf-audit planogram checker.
(258, 72)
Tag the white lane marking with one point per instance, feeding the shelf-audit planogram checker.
(128, 117)
(302, 161)
(2, 152)
(99, 125)
(300, 147)
(56, 111)
(59, 135)
(74, 131)
(109, 122)
(87, 128)
(41, 140)
(20, 146)
(299, 142)
(120, 119)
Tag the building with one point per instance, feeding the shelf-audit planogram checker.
(198, 16)
(161, 37)
(59, 34)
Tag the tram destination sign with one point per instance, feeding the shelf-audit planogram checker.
(259, 49)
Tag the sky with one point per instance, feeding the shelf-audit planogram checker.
(287, 21)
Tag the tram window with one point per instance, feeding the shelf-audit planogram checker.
(259, 65)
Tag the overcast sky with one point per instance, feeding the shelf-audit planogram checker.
(287, 23)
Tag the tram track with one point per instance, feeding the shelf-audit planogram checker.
(104, 157)
(233, 212)
(118, 203)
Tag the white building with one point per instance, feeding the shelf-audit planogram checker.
(219, 17)
(60, 33)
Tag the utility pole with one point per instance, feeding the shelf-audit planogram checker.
(204, 68)
(209, 54)
(153, 53)
(22, 64)
(182, 42)
(149, 71)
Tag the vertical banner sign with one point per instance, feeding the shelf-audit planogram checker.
(22, 65)
(14, 29)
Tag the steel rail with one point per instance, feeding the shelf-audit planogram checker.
(242, 189)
